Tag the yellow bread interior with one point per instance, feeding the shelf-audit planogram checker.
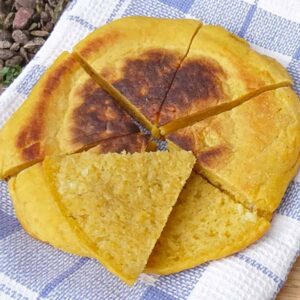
(39, 214)
(259, 139)
(135, 59)
(219, 72)
(119, 202)
(204, 225)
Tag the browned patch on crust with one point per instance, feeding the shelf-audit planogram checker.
(33, 131)
(184, 141)
(99, 117)
(130, 143)
(146, 80)
(29, 138)
(198, 83)
(213, 157)
(33, 152)
(92, 46)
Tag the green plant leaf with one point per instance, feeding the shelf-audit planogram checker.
(8, 74)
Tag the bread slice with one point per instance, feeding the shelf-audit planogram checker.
(65, 112)
(119, 203)
(135, 60)
(220, 72)
(39, 213)
(205, 224)
(252, 151)
(92, 116)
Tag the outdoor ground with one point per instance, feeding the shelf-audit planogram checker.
(24, 28)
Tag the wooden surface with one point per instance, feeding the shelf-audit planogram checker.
(291, 290)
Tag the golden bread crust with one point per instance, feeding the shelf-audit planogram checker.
(31, 132)
(135, 66)
(92, 116)
(251, 151)
(220, 68)
(65, 112)
(138, 59)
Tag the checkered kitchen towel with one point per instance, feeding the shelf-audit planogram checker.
(33, 270)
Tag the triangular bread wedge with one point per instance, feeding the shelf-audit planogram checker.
(92, 116)
(204, 225)
(119, 203)
(220, 71)
(39, 213)
(252, 151)
(66, 101)
(135, 59)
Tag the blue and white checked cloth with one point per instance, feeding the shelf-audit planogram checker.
(33, 270)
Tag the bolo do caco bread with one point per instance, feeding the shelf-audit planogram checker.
(204, 91)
